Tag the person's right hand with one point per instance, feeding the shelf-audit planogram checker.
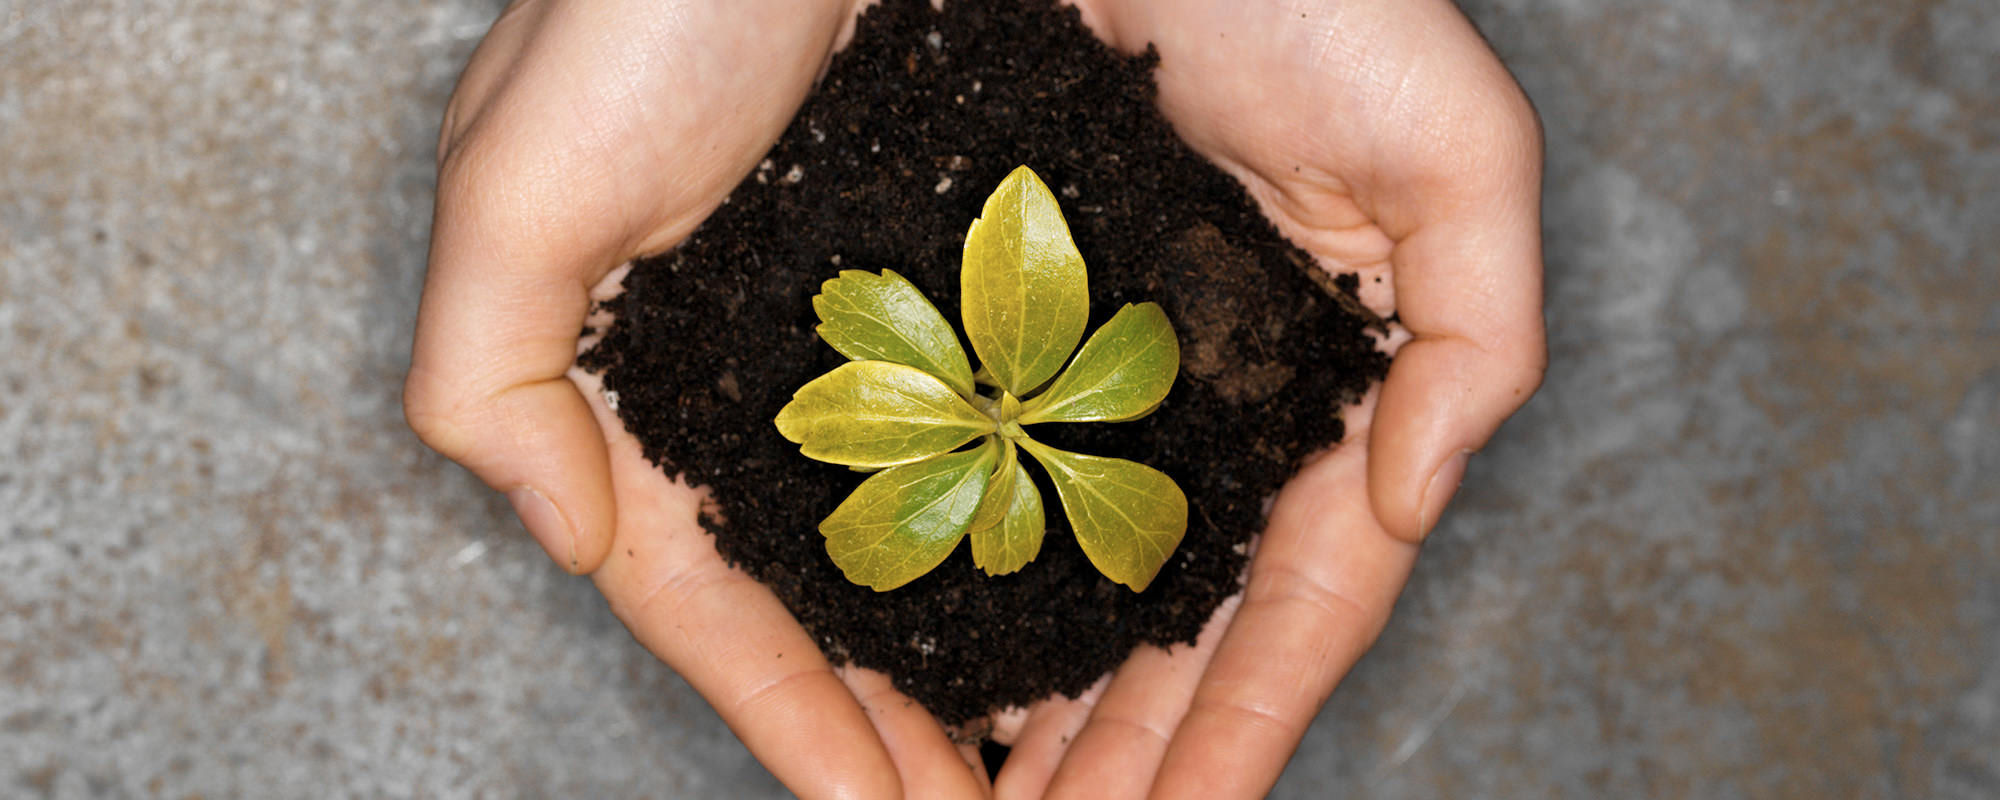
(1385, 138)
(581, 135)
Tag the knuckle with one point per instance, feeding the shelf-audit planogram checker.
(450, 131)
(1283, 583)
(455, 171)
(1524, 373)
(665, 598)
(778, 691)
(1535, 371)
(433, 415)
(1513, 125)
(1487, 137)
(1152, 732)
(1250, 714)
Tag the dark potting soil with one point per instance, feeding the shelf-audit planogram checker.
(884, 167)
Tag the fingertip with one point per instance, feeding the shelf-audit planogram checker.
(975, 762)
(546, 523)
(1007, 724)
(1438, 492)
(734, 643)
(589, 545)
(593, 534)
(928, 763)
(1042, 739)
(539, 444)
(1443, 399)
(1406, 442)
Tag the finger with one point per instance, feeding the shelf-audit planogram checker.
(928, 762)
(537, 200)
(1321, 587)
(499, 323)
(1008, 722)
(1038, 744)
(496, 332)
(522, 228)
(1465, 210)
(1120, 748)
(731, 639)
(969, 752)
(524, 224)
(1409, 147)
(1469, 293)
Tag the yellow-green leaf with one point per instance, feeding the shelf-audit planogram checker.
(1013, 535)
(999, 493)
(1024, 296)
(884, 317)
(904, 521)
(1141, 415)
(879, 414)
(1128, 517)
(1122, 373)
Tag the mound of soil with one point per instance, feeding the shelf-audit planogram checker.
(884, 167)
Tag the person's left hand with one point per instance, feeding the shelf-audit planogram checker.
(582, 134)
(1385, 138)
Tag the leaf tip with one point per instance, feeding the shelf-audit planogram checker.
(789, 424)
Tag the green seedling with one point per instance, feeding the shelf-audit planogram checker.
(908, 403)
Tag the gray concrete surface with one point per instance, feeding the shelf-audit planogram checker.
(1746, 542)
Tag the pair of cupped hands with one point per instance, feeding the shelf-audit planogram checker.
(1382, 136)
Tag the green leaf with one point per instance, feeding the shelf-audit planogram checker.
(1007, 531)
(1128, 517)
(1141, 415)
(904, 521)
(885, 318)
(999, 494)
(1122, 373)
(1024, 295)
(879, 414)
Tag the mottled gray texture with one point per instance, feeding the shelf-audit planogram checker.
(1745, 543)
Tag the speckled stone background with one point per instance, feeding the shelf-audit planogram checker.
(1746, 542)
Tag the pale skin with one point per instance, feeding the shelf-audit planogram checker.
(1382, 136)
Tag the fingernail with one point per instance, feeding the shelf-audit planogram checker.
(1437, 493)
(546, 523)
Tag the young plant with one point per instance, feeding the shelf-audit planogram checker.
(909, 400)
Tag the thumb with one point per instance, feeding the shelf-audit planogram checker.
(503, 304)
(1464, 206)
(1468, 280)
(1471, 298)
